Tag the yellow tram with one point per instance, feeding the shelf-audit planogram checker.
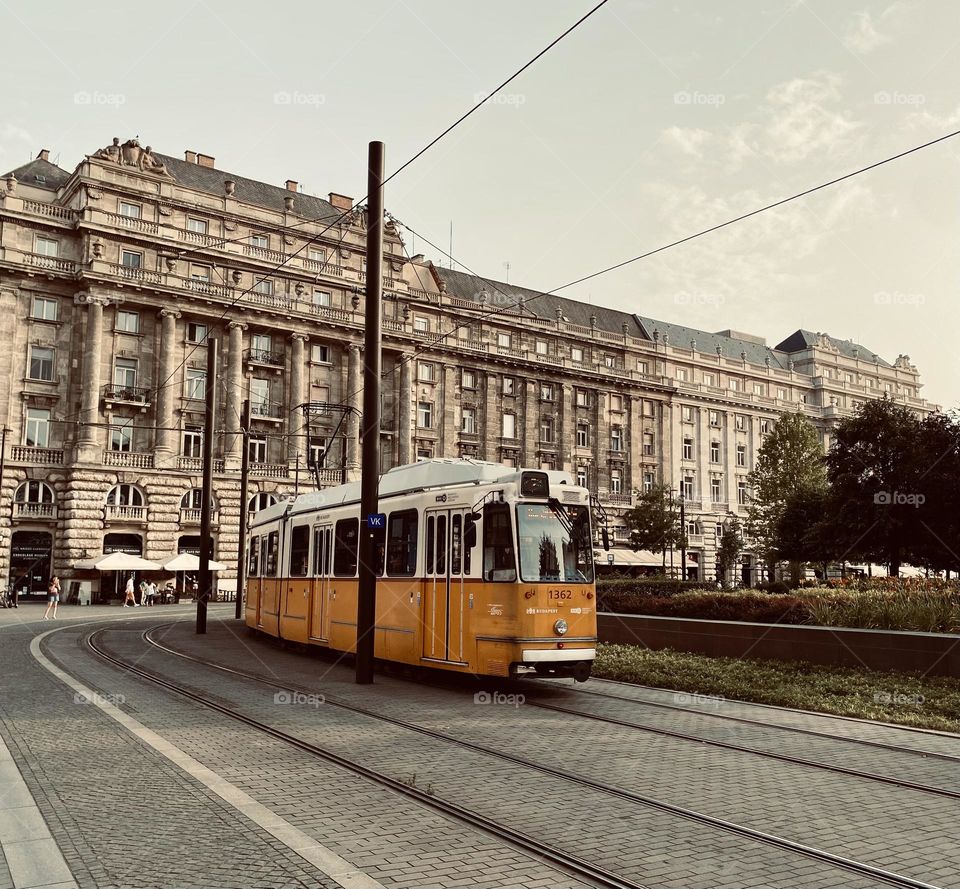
(482, 569)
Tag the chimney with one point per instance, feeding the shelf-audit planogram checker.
(292, 185)
(190, 157)
(341, 201)
(205, 160)
(417, 258)
(44, 155)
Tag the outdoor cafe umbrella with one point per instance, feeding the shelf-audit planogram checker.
(188, 562)
(119, 562)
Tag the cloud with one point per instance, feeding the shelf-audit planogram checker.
(690, 140)
(863, 35)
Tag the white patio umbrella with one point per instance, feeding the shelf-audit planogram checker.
(119, 562)
(190, 562)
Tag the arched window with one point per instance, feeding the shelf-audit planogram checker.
(125, 495)
(34, 492)
(193, 499)
(261, 501)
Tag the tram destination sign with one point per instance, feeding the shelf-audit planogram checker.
(377, 520)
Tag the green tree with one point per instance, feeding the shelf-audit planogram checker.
(876, 467)
(728, 552)
(790, 463)
(654, 523)
(938, 535)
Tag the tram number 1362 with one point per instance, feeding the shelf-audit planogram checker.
(560, 594)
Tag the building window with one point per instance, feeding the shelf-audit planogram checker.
(128, 322)
(648, 408)
(764, 427)
(196, 225)
(693, 528)
(260, 241)
(714, 418)
(583, 435)
(643, 366)
(688, 449)
(648, 482)
(193, 499)
(468, 379)
(131, 259)
(260, 396)
(196, 380)
(258, 449)
(576, 354)
(35, 492)
(121, 434)
(263, 500)
(542, 347)
(683, 374)
(610, 361)
(37, 433)
(509, 461)
(742, 493)
(44, 308)
(616, 481)
(197, 332)
(320, 353)
(709, 379)
(714, 451)
(504, 340)
(509, 386)
(616, 402)
(782, 394)
(582, 398)
(125, 373)
(741, 455)
(426, 371)
(317, 254)
(41, 363)
(734, 385)
(741, 422)
(716, 483)
(317, 452)
(758, 389)
(686, 413)
(200, 273)
(322, 299)
(47, 247)
(131, 211)
(509, 425)
(425, 415)
(263, 286)
(687, 487)
(647, 444)
(546, 430)
(581, 476)
(192, 442)
(125, 495)
(468, 421)
(421, 324)
(424, 454)
(547, 464)
(546, 391)
(616, 438)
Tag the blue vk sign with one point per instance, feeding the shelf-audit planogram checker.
(377, 520)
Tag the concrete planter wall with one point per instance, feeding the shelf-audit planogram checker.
(935, 654)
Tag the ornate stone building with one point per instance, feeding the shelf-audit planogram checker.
(114, 276)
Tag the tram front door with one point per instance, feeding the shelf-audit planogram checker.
(444, 599)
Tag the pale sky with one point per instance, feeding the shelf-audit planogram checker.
(651, 121)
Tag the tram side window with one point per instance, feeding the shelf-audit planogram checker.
(345, 548)
(431, 521)
(402, 544)
(499, 562)
(253, 566)
(379, 536)
(456, 545)
(270, 556)
(300, 551)
(319, 553)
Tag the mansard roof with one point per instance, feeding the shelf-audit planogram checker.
(680, 337)
(800, 340)
(40, 173)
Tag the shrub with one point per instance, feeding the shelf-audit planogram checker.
(643, 586)
(896, 608)
(714, 605)
(775, 586)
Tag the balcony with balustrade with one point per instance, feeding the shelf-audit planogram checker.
(195, 464)
(119, 394)
(265, 357)
(114, 512)
(128, 459)
(271, 470)
(34, 512)
(267, 410)
(192, 517)
(36, 456)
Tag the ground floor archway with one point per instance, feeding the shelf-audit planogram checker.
(31, 562)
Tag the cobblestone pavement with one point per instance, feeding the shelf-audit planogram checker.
(126, 817)
(673, 852)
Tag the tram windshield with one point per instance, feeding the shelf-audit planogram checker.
(555, 543)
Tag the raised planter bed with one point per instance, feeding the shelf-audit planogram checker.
(934, 654)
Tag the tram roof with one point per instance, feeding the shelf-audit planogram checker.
(438, 472)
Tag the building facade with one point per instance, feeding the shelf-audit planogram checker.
(115, 276)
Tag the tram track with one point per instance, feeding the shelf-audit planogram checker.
(571, 864)
(744, 720)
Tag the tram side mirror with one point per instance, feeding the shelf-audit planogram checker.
(470, 530)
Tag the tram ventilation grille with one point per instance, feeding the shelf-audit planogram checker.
(570, 496)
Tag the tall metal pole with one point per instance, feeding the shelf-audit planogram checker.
(370, 422)
(208, 433)
(244, 477)
(683, 537)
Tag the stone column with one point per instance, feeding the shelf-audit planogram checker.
(295, 430)
(235, 391)
(354, 398)
(166, 386)
(88, 443)
(404, 406)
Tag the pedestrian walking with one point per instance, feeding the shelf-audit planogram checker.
(142, 589)
(53, 599)
(151, 592)
(129, 599)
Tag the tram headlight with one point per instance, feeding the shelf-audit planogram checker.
(560, 627)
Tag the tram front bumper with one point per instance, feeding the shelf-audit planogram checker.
(545, 655)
